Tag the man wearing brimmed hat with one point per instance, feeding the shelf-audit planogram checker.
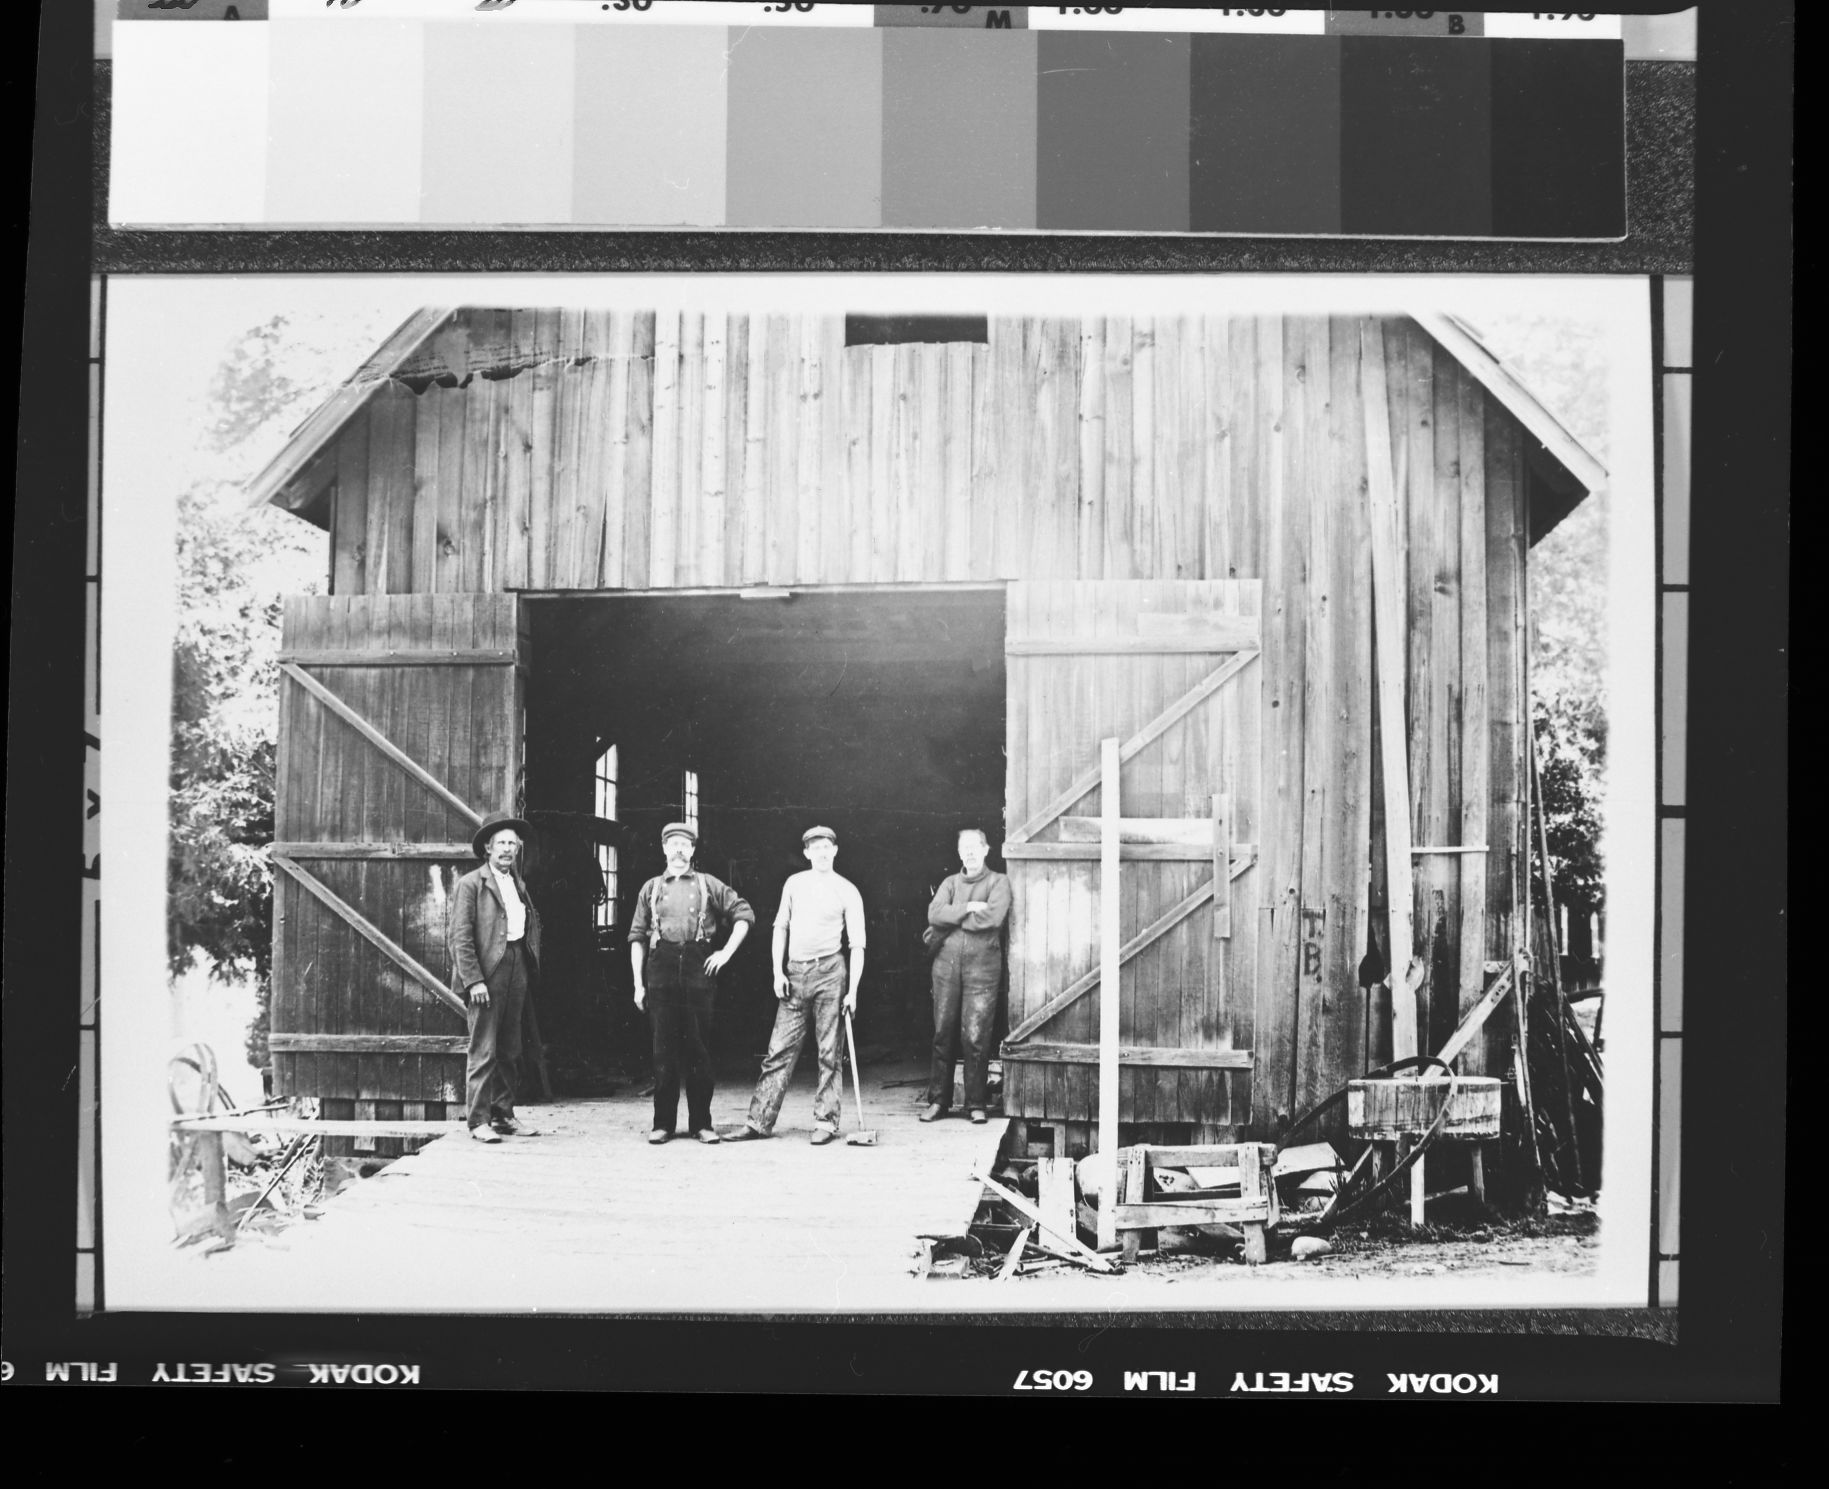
(677, 916)
(820, 910)
(494, 939)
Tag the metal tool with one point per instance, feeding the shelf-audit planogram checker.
(864, 1137)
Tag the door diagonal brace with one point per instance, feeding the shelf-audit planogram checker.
(1155, 931)
(360, 924)
(1138, 742)
(381, 742)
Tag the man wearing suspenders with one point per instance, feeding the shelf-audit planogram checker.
(677, 915)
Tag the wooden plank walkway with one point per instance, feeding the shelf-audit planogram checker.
(587, 1217)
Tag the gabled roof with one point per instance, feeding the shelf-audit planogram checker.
(1565, 465)
(310, 438)
(1566, 469)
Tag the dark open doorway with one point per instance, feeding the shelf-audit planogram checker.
(879, 713)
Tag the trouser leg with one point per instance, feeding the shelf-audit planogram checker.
(981, 974)
(947, 985)
(480, 1069)
(828, 1004)
(778, 1064)
(666, 1021)
(695, 1039)
(508, 989)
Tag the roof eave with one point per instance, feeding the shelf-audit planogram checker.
(311, 437)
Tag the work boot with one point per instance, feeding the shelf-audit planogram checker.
(821, 1136)
(659, 1136)
(933, 1113)
(708, 1135)
(485, 1135)
(743, 1134)
(507, 1126)
(979, 1115)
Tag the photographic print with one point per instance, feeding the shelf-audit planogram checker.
(1178, 750)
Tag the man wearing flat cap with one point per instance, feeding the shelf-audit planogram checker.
(494, 940)
(677, 917)
(820, 910)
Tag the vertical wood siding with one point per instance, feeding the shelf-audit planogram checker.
(610, 450)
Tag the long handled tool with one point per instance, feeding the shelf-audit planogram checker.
(864, 1137)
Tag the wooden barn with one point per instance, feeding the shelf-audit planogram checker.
(903, 575)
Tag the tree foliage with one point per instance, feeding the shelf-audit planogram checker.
(1565, 364)
(233, 566)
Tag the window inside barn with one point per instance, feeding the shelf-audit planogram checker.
(895, 330)
(689, 800)
(606, 853)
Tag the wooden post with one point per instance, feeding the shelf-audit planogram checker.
(215, 1181)
(1388, 582)
(1252, 1181)
(1110, 966)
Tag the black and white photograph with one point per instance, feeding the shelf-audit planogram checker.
(877, 795)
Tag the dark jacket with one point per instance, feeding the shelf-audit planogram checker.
(478, 931)
(947, 912)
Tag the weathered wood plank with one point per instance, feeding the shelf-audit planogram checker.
(688, 521)
(782, 504)
(1133, 1055)
(1322, 710)
(757, 412)
(1472, 733)
(1283, 452)
(551, 480)
(349, 511)
(1166, 1214)
(384, 656)
(1145, 513)
(638, 483)
(664, 473)
(1506, 706)
(1389, 600)
(1231, 634)
(1120, 550)
(1091, 420)
(1110, 980)
(835, 525)
(736, 447)
(399, 850)
(1196, 832)
(809, 451)
(416, 1044)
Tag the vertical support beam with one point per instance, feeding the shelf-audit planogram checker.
(1222, 869)
(1388, 603)
(1110, 964)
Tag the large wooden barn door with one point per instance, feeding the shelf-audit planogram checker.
(399, 730)
(1170, 668)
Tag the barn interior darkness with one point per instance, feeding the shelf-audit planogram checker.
(878, 713)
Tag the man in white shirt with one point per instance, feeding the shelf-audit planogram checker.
(494, 941)
(820, 911)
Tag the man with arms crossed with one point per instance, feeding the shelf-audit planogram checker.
(970, 909)
(676, 916)
(818, 907)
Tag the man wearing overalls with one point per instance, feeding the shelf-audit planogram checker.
(676, 916)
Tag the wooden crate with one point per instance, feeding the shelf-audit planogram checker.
(1141, 1209)
(1386, 1110)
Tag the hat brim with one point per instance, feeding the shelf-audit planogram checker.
(490, 829)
